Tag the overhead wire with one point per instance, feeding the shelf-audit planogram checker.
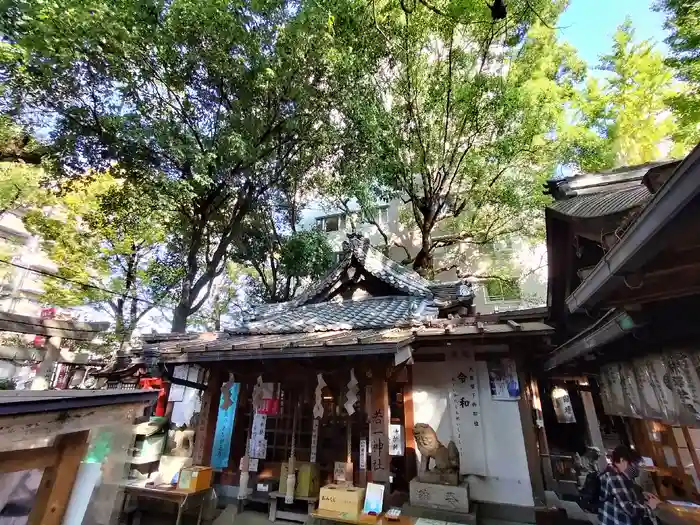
(84, 285)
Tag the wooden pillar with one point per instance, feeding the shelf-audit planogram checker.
(691, 449)
(550, 482)
(57, 481)
(206, 424)
(534, 461)
(595, 437)
(409, 422)
(379, 427)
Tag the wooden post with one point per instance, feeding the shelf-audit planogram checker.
(57, 482)
(688, 482)
(409, 423)
(206, 425)
(594, 435)
(534, 462)
(691, 449)
(549, 482)
(379, 427)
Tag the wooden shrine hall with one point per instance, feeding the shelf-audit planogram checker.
(342, 373)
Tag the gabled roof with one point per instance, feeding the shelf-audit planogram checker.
(602, 204)
(371, 312)
(594, 195)
(357, 250)
(413, 299)
(604, 181)
(648, 234)
(221, 346)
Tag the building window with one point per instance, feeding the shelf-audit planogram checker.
(498, 290)
(380, 215)
(331, 223)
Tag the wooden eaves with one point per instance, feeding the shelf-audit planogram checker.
(649, 234)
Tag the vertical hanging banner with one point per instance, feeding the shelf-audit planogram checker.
(258, 443)
(396, 441)
(378, 427)
(468, 431)
(314, 441)
(224, 426)
(363, 454)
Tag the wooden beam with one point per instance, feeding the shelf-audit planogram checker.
(543, 444)
(57, 481)
(33, 458)
(692, 450)
(594, 435)
(14, 430)
(25, 324)
(687, 480)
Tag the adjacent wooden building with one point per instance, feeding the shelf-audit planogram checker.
(625, 291)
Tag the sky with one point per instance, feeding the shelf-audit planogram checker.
(589, 25)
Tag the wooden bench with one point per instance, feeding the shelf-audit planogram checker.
(288, 515)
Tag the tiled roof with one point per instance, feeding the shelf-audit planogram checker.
(416, 299)
(602, 204)
(403, 279)
(389, 271)
(604, 181)
(220, 346)
(373, 312)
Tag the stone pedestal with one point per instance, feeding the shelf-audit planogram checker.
(443, 497)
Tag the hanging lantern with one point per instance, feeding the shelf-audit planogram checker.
(562, 405)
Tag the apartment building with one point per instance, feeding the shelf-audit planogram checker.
(526, 263)
(21, 286)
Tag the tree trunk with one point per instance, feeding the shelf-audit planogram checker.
(423, 263)
(180, 315)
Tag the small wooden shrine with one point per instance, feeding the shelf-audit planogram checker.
(329, 387)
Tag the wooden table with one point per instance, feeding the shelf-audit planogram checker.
(362, 519)
(291, 516)
(670, 514)
(184, 499)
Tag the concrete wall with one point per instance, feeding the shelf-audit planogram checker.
(508, 479)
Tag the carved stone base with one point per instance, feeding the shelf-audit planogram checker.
(439, 478)
(437, 496)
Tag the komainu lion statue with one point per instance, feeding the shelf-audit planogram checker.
(446, 458)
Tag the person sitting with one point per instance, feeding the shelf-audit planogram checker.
(621, 501)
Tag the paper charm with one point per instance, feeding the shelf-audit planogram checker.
(351, 395)
(318, 405)
(258, 393)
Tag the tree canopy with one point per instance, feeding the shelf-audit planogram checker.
(623, 118)
(213, 105)
(187, 137)
(105, 235)
(683, 22)
(459, 121)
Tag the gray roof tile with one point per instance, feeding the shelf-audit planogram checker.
(602, 204)
(403, 279)
(374, 312)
